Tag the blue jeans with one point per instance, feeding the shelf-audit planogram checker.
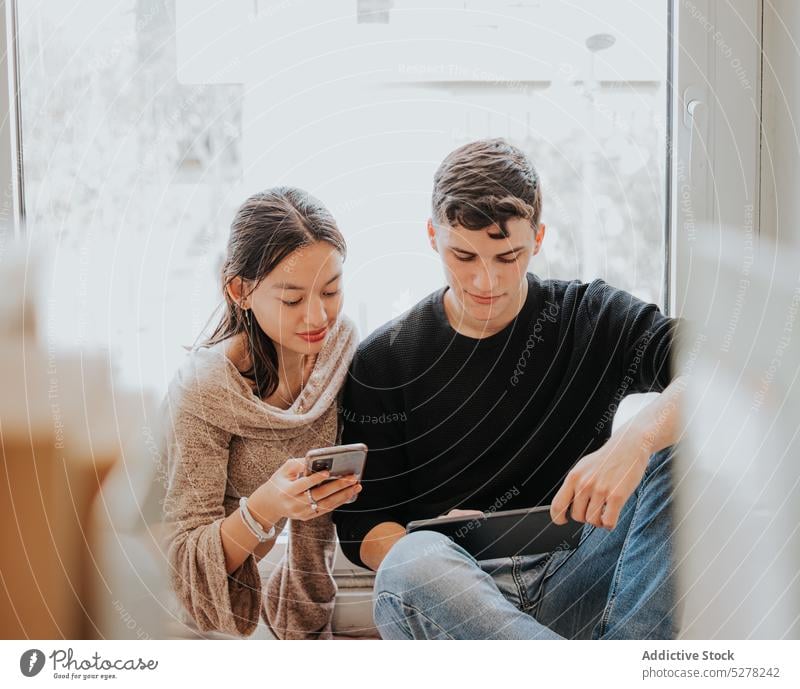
(615, 585)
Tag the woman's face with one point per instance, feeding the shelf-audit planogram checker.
(298, 303)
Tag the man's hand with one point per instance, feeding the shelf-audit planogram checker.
(463, 513)
(599, 485)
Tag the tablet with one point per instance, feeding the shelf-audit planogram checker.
(504, 534)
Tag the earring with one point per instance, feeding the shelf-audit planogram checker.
(247, 317)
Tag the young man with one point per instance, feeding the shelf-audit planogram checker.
(502, 387)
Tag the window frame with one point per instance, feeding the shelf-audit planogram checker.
(699, 70)
(11, 168)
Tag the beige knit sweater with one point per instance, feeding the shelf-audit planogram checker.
(220, 442)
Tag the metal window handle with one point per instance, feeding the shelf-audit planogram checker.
(695, 113)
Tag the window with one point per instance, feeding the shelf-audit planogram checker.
(146, 122)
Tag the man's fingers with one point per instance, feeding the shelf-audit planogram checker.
(610, 515)
(594, 511)
(580, 502)
(465, 513)
(562, 500)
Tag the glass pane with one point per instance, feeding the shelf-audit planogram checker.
(145, 122)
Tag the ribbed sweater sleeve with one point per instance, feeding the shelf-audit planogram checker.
(636, 334)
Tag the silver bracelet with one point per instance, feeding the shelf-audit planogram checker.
(251, 523)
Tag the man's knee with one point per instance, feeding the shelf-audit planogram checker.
(420, 560)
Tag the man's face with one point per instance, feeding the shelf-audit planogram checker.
(485, 272)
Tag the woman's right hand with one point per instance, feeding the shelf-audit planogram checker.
(284, 494)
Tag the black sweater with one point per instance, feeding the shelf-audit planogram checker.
(494, 423)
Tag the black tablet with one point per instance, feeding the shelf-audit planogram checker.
(503, 534)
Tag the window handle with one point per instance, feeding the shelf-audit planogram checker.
(695, 116)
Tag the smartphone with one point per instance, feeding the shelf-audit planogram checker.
(342, 460)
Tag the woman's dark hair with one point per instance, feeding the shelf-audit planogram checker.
(267, 228)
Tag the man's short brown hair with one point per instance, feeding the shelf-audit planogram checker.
(486, 182)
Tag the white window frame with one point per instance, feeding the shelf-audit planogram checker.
(12, 215)
(715, 54)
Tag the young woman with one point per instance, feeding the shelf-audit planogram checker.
(259, 393)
